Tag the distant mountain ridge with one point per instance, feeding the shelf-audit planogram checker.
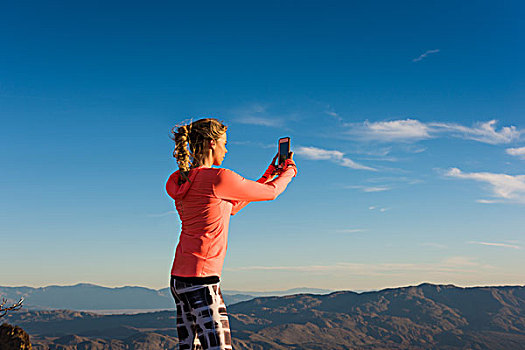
(426, 316)
(86, 296)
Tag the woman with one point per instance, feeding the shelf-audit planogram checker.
(205, 197)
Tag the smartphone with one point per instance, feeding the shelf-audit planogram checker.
(284, 149)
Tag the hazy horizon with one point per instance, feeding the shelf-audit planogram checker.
(270, 291)
(407, 123)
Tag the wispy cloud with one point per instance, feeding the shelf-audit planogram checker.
(488, 201)
(518, 152)
(459, 261)
(376, 189)
(482, 132)
(373, 207)
(333, 114)
(255, 120)
(411, 130)
(370, 188)
(351, 230)
(455, 264)
(334, 156)
(495, 244)
(414, 149)
(508, 187)
(257, 114)
(375, 151)
(422, 56)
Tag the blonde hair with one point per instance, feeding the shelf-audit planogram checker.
(196, 135)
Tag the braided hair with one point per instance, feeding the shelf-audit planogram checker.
(196, 135)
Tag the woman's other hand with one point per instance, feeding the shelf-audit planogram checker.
(279, 168)
(271, 171)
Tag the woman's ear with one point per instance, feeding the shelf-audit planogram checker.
(212, 144)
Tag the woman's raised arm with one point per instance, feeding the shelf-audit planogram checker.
(231, 186)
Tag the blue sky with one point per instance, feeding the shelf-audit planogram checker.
(407, 120)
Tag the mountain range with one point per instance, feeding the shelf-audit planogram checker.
(84, 296)
(426, 316)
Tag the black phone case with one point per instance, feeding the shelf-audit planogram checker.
(283, 153)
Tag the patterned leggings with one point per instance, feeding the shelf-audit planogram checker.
(202, 321)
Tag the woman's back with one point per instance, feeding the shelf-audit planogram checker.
(195, 200)
(204, 219)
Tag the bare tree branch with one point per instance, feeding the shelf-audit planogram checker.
(4, 310)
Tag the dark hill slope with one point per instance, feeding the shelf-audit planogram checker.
(422, 317)
(426, 316)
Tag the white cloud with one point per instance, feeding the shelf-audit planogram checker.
(380, 209)
(519, 152)
(504, 186)
(334, 156)
(482, 132)
(376, 189)
(370, 188)
(428, 52)
(488, 201)
(395, 130)
(411, 130)
(495, 244)
(347, 162)
(351, 230)
(315, 153)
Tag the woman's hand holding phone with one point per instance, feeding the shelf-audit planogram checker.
(284, 156)
(278, 167)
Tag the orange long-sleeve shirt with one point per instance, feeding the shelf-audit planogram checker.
(205, 205)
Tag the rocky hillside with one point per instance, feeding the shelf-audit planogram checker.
(426, 316)
(420, 317)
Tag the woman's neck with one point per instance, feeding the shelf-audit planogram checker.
(207, 161)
